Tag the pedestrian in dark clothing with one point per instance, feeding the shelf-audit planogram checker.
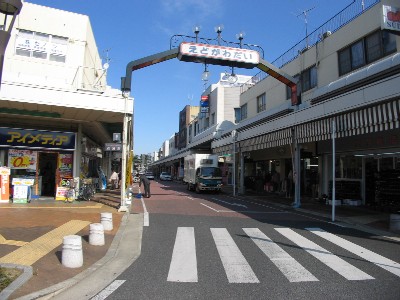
(146, 184)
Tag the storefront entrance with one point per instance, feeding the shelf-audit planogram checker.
(47, 170)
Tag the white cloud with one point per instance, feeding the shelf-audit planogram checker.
(188, 13)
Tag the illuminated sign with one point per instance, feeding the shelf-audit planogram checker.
(391, 18)
(10, 137)
(218, 55)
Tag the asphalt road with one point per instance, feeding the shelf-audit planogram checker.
(212, 246)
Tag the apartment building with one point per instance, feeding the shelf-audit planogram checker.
(57, 111)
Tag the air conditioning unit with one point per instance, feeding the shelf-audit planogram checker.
(326, 34)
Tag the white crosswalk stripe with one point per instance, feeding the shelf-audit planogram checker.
(183, 267)
(293, 271)
(236, 266)
(366, 254)
(337, 264)
(184, 264)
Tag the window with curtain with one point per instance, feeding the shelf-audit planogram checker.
(261, 103)
(367, 50)
(309, 79)
(243, 112)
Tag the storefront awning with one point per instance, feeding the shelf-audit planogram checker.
(384, 116)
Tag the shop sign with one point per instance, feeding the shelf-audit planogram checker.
(65, 164)
(5, 171)
(390, 18)
(22, 159)
(11, 137)
(112, 147)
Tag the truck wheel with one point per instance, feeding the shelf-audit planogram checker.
(197, 189)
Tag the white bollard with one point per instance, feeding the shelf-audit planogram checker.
(106, 220)
(72, 256)
(96, 234)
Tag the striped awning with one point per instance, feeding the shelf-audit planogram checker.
(269, 140)
(226, 149)
(381, 117)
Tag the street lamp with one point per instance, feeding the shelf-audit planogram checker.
(7, 8)
(196, 30)
(240, 37)
(218, 30)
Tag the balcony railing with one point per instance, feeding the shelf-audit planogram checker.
(346, 15)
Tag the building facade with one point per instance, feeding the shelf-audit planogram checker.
(349, 90)
(57, 112)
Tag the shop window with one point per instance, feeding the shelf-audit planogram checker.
(349, 167)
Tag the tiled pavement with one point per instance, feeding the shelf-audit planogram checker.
(32, 235)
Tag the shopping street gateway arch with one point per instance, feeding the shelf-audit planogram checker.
(213, 55)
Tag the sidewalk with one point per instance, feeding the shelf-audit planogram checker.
(362, 217)
(31, 238)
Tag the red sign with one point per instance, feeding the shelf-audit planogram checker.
(204, 98)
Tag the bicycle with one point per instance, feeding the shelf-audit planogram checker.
(87, 191)
(70, 195)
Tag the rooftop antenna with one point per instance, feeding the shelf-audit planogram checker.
(304, 13)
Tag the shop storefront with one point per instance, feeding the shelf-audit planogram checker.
(367, 169)
(39, 161)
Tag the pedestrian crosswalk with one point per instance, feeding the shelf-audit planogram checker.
(184, 264)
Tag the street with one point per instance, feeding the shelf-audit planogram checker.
(214, 246)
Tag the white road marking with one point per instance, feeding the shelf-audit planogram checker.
(108, 290)
(379, 260)
(236, 267)
(230, 203)
(146, 217)
(394, 238)
(183, 267)
(337, 264)
(209, 207)
(292, 269)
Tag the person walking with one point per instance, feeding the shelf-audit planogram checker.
(146, 184)
(114, 180)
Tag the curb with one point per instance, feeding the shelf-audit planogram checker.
(17, 283)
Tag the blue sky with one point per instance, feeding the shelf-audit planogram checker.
(131, 29)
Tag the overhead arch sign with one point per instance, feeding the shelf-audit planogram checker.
(218, 55)
(215, 55)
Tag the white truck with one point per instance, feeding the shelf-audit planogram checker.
(201, 173)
